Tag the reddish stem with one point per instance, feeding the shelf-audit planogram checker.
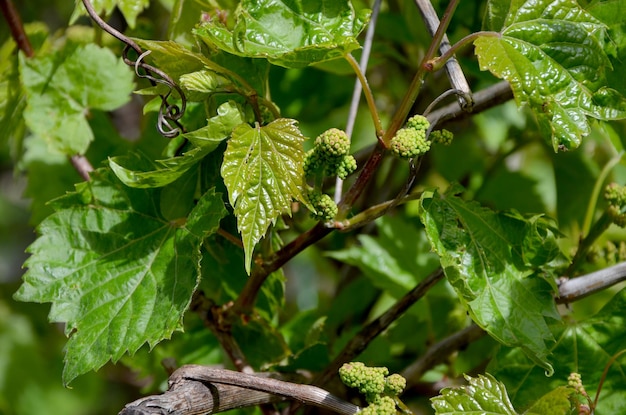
(14, 21)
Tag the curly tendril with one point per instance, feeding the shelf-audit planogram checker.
(169, 114)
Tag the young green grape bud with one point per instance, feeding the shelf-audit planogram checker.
(615, 195)
(409, 143)
(333, 143)
(574, 380)
(324, 205)
(370, 381)
(395, 384)
(312, 162)
(345, 167)
(441, 137)
(418, 122)
(385, 405)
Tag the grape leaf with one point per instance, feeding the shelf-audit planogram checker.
(116, 272)
(135, 170)
(291, 33)
(129, 8)
(552, 53)
(263, 172)
(484, 395)
(481, 253)
(584, 346)
(62, 87)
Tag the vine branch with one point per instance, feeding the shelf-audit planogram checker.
(452, 67)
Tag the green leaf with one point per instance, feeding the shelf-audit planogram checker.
(263, 172)
(292, 34)
(129, 8)
(552, 53)
(555, 402)
(484, 395)
(63, 87)
(480, 253)
(116, 272)
(584, 346)
(136, 170)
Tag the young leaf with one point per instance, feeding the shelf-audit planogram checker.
(292, 34)
(263, 172)
(138, 171)
(484, 395)
(480, 252)
(62, 87)
(552, 53)
(115, 272)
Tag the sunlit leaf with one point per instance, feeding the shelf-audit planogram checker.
(480, 252)
(116, 272)
(552, 53)
(292, 33)
(62, 87)
(483, 395)
(263, 172)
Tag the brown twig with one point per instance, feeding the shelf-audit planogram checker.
(13, 19)
(440, 351)
(362, 339)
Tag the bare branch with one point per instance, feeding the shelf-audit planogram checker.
(452, 67)
(574, 289)
(196, 390)
(483, 100)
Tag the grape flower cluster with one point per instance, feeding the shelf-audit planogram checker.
(381, 390)
(330, 155)
(615, 195)
(324, 205)
(411, 141)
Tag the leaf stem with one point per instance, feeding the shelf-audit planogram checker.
(369, 97)
(373, 212)
(597, 188)
(437, 63)
(603, 378)
(414, 88)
